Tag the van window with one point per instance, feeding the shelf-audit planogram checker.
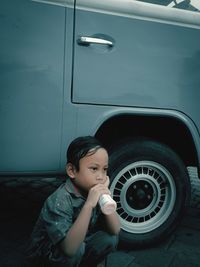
(191, 5)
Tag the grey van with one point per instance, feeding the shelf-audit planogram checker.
(126, 71)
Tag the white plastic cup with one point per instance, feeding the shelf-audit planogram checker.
(107, 204)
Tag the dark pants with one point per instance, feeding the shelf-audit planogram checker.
(92, 251)
(98, 246)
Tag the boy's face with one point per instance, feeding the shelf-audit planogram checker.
(92, 170)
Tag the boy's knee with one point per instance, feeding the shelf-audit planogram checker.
(58, 259)
(111, 241)
(105, 242)
(81, 251)
(79, 254)
(98, 246)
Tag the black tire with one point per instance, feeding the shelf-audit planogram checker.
(151, 186)
(195, 187)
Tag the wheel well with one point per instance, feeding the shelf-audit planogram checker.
(167, 130)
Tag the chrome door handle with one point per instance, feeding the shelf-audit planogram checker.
(86, 40)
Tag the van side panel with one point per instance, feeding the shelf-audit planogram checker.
(31, 85)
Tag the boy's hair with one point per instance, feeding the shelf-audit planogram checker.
(80, 147)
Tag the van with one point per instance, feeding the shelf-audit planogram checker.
(125, 71)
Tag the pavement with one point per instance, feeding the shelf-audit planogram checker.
(19, 208)
(182, 248)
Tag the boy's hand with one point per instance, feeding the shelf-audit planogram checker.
(96, 191)
(107, 182)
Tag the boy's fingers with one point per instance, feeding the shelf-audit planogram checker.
(107, 181)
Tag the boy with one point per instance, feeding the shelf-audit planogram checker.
(66, 234)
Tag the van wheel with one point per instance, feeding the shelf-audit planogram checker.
(151, 186)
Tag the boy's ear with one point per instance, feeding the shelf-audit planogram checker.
(70, 170)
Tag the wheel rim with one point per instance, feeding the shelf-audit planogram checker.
(145, 193)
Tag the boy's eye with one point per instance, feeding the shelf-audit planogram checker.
(93, 168)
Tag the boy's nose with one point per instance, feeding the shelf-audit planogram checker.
(100, 176)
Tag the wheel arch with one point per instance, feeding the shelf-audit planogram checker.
(170, 130)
